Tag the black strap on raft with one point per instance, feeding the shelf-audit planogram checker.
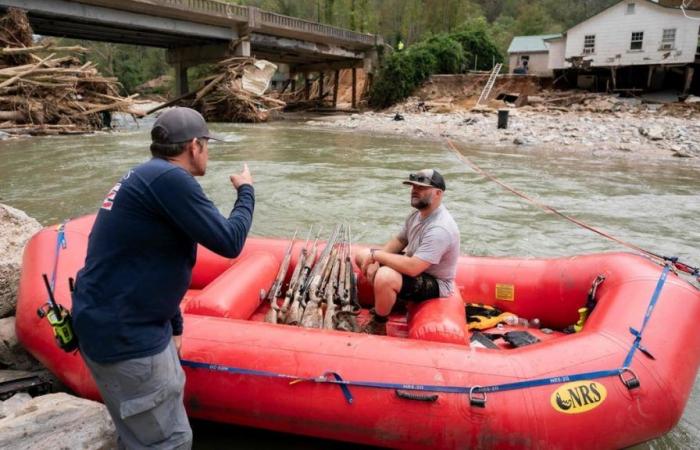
(431, 398)
(477, 394)
(591, 301)
(686, 268)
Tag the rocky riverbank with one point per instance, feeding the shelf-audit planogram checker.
(29, 419)
(636, 134)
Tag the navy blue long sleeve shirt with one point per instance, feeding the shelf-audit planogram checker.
(140, 256)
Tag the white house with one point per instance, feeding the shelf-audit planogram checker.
(531, 52)
(639, 43)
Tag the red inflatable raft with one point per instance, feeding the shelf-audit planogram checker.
(423, 386)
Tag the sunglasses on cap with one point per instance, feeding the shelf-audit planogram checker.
(420, 179)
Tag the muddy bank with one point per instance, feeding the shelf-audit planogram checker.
(636, 134)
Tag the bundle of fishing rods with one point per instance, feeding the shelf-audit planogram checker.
(322, 292)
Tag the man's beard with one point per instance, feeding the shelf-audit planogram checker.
(421, 203)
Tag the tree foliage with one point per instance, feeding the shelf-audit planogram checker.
(452, 52)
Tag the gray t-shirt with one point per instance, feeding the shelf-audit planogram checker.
(434, 239)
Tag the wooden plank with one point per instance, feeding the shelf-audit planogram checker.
(335, 88)
(354, 88)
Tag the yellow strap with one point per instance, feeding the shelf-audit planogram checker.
(484, 323)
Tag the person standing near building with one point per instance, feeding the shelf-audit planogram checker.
(126, 304)
(419, 263)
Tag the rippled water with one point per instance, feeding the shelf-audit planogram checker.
(305, 176)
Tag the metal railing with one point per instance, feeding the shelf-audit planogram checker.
(238, 13)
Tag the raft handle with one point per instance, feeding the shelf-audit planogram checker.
(411, 396)
(477, 399)
(630, 383)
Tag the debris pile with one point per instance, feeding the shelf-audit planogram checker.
(296, 98)
(235, 93)
(42, 93)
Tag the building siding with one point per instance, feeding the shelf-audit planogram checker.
(613, 30)
(536, 66)
(557, 49)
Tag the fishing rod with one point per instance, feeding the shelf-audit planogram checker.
(683, 267)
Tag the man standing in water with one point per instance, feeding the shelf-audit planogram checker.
(126, 304)
(419, 263)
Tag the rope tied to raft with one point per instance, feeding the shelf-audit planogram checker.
(683, 267)
(61, 243)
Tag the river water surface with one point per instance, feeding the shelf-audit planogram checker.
(305, 176)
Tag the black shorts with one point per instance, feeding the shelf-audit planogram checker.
(420, 288)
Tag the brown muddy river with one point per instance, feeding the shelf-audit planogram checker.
(305, 176)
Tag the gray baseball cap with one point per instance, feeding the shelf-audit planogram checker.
(180, 124)
(427, 178)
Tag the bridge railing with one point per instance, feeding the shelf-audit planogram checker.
(219, 9)
(306, 26)
(258, 18)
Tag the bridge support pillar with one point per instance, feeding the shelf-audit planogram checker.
(335, 88)
(354, 88)
(181, 84)
(243, 48)
(320, 85)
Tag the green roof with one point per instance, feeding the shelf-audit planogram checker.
(523, 44)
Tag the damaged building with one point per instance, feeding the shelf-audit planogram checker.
(633, 46)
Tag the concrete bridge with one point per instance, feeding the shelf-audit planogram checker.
(202, 31)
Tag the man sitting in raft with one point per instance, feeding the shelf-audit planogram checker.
(419, 263)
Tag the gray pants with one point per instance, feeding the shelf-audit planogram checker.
(144, 396)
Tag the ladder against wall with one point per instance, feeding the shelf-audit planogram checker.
(489, 84)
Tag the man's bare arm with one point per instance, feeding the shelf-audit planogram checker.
(395, 245)
(407, 265)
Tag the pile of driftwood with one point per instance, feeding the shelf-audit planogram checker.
(322, 291)
(46, 89)
(234, 94)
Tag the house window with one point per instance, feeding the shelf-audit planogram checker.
(637, 39)
(668, 39)
(630, 8)
(589, 44)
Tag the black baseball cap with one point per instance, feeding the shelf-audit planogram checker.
(427, 178)
(181, 124)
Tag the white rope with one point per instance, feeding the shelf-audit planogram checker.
(685, 4)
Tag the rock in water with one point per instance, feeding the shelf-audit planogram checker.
(58, 421)
(16, 228)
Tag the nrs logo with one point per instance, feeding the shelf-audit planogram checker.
(578, 397)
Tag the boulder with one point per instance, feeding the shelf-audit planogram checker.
(654, 132)
(58, 421)
(16, 228)
(12, 355)
(13, 404)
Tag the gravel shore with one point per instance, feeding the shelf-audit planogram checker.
(641, 133)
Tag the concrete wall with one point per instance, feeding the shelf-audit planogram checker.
(613, 30)
(538, 64)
